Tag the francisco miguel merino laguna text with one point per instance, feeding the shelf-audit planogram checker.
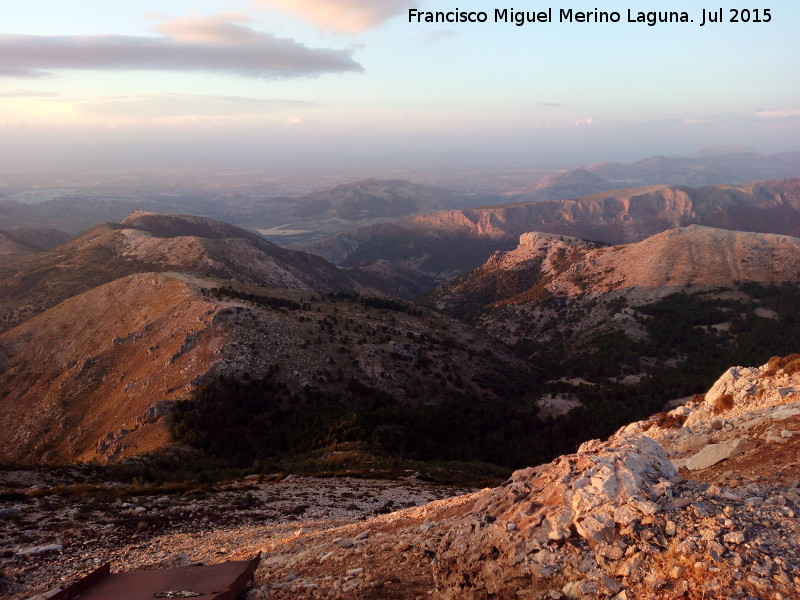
(567, 15)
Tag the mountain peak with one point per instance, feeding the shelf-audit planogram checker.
(173, 225)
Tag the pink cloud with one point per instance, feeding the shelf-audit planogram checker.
(348, 16)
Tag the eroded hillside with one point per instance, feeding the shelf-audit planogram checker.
(96, 377)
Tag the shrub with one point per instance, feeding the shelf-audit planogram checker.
(792, 367)
(779, 362)
(723, 403)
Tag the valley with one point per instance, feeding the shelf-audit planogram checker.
(161, 367)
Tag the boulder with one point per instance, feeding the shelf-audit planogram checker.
(579, 500)
(716, 453)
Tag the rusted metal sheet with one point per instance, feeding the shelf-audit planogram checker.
(222, 581)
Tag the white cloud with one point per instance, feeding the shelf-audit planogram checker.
(777, 114)
(348, 16)
(218, 44)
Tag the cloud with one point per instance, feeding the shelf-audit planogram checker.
(26, 94)
(777, 114)
(348, 16)
(551, 104)
(220, 44)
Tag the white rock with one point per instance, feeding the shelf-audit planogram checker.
(692, 443)
(716, 453)
(40, 549)
(785, 413)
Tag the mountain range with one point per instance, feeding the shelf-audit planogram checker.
(212, 337)
(295, 220)
(445, 243)
(171, 347)
(160, 308)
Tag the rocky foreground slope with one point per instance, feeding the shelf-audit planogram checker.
(701, 502)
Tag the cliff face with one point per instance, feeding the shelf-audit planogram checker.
(615, 217)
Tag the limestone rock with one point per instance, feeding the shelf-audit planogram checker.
(716, 453)
(578, 500)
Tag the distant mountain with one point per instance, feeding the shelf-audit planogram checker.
(147, 242)
(264, 371)
(72, 214)
(570, 184)
(446, 243)
(374, 199)
(701, 170)
(708, 167)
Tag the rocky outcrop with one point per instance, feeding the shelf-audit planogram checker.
(615, 520)
(544, 521)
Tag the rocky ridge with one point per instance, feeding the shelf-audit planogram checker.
(95, 377)
(152, 242)
(693, 257)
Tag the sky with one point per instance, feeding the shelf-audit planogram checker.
(335, 82)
